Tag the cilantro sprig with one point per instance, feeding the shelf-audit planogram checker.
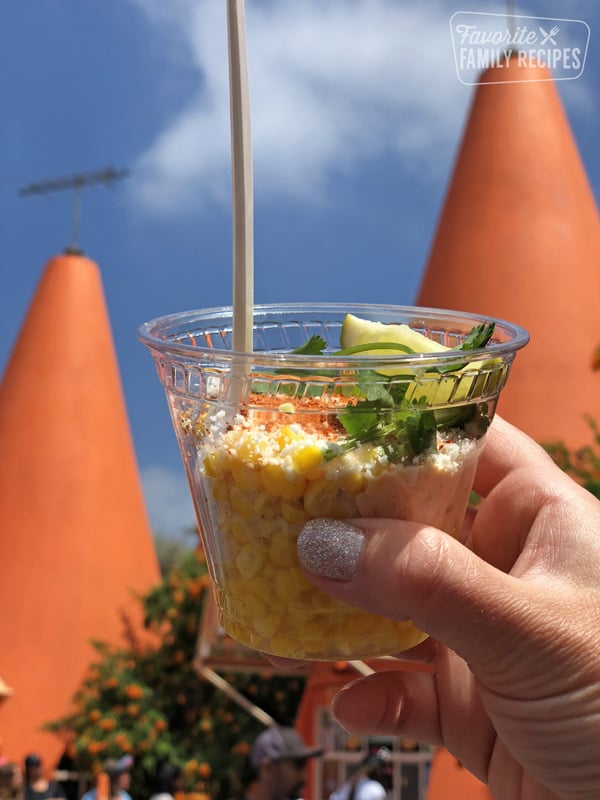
(477, 338)
(312, 347)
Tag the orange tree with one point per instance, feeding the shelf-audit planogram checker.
(151, 703)
(582, 464)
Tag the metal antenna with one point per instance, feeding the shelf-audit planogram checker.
(76, 182)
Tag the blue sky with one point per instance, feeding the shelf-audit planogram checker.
(357, 113)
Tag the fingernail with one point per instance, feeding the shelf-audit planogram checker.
(330, 548)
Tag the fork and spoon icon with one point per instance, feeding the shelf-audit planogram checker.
(549, 36)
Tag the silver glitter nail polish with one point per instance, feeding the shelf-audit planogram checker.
(330, 548)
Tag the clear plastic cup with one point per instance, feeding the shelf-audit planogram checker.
(273, 439)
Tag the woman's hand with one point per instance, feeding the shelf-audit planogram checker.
(514, 620)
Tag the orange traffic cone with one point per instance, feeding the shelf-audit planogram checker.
(75, 542)
(519, 238)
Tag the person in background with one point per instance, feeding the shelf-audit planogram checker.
(367, 781)
(67, 772)
(168, 781)
(277, 764)
(119, 776)
(37, 786)
(11, 781)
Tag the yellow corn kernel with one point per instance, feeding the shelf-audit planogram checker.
(285, 588)
(242, 503)
(231, 547)
(278, 484)
(220, 490)
(286, 435)
(250, 560)
(353, 482)
(323, 499)
(253, 606)
(265, 531)
(368, 453)
(265, 506)
(306, 458)
(289, 584)
(345, 507)
(213, 464)
(282, 552)
(245, 477)
(239, 529)
(294, 514)
(325, 605)
(315, 474)
(319, 497)
(284, 645)
(358, 623)
(316, 629)
(263, 589)
(267, 624)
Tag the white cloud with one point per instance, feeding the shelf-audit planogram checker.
(332, 84)
(168, 500)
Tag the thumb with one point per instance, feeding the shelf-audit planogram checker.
(406, 570)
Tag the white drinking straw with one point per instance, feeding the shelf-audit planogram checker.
(242, 200)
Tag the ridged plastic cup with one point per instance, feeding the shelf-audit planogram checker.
(267, 443)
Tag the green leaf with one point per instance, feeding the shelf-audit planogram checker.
(477, 337)
(421, 430)
(313, 347)
(362, 417)
(371, 386)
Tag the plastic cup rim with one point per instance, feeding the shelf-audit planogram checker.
(147, 333)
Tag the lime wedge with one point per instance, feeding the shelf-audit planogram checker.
(430, 388)
(363, 331)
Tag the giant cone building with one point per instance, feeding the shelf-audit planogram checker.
(75, 542)
(519, 238)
